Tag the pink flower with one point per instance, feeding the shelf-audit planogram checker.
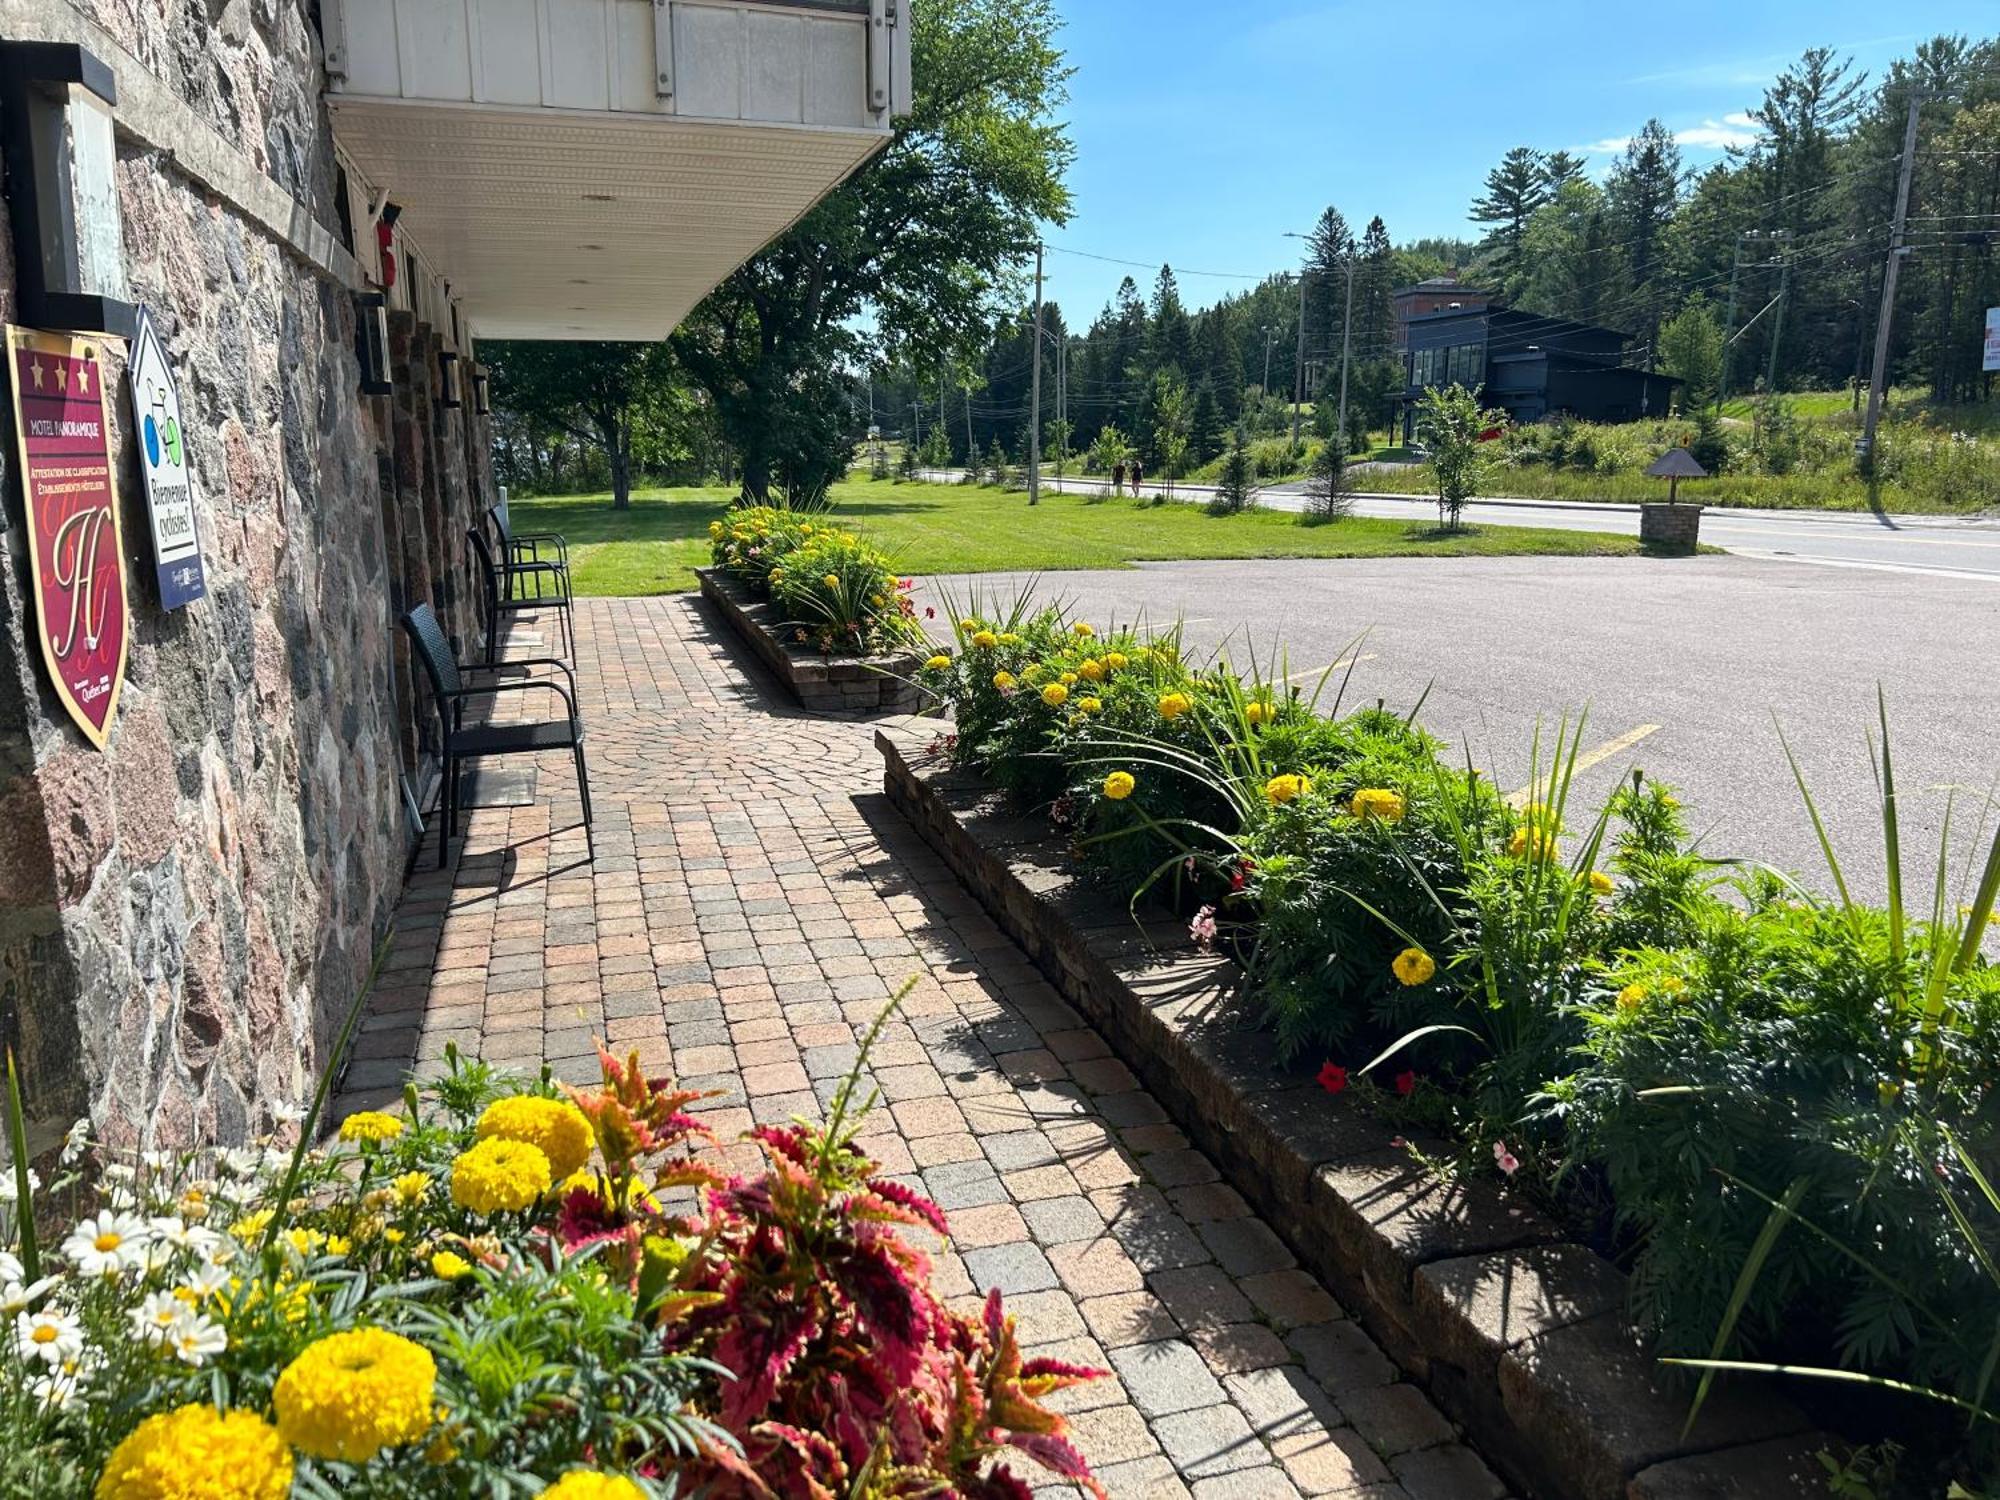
(1406, 1083)
(1398, 1142)
(1504, 1159)
(1202, 928)
(1188, 865)
(1333, 1078)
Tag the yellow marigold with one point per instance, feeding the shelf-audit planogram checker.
(1115, 660)
(1003, 680)
(937, 663)
(1032, 673)
(1601, 883)
(1055, 695)
(1413, 967)
(449, 1265)
(195, 1452)
(716, 528)
(1282, 789)
(1531, 843)
(1068, 679)
(832, 580)
(370, 1126)
(1256, 713)
(968, 624)
(350, 1395)
(1090, 705)
(1378, 803)
(554, 1127)
(411, 1186)
(496, 1175)
(583, 1484)
(1174, 705)
(1083, 630)
(1119, 784)
(1632, 997)
(1008, 638)
(877, 600)
(1091, 670)
(986, 640)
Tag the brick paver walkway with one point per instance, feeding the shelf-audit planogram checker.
(753, 903)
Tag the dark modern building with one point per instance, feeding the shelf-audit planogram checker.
(1529, 365)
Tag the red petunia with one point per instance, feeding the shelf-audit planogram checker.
(1333, 1078)
(1406, 1083)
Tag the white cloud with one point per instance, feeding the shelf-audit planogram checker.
(1733, 129)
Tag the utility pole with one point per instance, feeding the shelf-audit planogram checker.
(1062, 402)
(1864, 450)
(1346, 339)
(1269, 330)
(1781, 241)
(971, 453)
(1729, 322)
(1299, 364)
(916, 424)
(1035, 394)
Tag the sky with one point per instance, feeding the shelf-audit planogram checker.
(1205, 131)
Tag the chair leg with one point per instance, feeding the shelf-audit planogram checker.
(583, 791)
(449, 813)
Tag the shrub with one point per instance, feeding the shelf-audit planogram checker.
(1455, 428)
(1329, 486)
(1236, 487)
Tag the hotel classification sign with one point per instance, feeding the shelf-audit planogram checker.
(75, 552)
(163, 459)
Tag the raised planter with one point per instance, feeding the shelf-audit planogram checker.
(1517, 1334)
(855, 685)
(1670, 527)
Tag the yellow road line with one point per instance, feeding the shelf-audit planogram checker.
(1345, 661)
(1584, 761)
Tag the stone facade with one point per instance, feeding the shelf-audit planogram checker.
(849, 685)
(1674, 530)
(186, 917)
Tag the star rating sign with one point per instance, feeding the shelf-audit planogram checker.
(62, 378)
(35, 369)
(83, 380)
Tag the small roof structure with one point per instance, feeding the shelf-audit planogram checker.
(1676, 463)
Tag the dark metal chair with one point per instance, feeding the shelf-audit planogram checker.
(461, 742)
(502, 600)
(526, 546)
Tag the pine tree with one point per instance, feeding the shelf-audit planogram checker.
(1643, 192)
(1236, 488)
(1205, 425)
(1329, 490)
(1374, 295)
(1560, 169)
(1170, 340)
(1514, 190)
(1328, 250)
(996, 462)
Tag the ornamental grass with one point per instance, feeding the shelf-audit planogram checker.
(509, 1288)
(1778, 1110)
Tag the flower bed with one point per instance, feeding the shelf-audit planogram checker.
(510, 1292)
(1768, 1106)
(819, 606)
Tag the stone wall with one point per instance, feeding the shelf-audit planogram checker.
(186, 916)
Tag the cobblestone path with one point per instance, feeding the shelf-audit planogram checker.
(753, 903)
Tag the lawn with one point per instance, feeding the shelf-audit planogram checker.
(654, 547)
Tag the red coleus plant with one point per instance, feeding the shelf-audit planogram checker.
(848, 1375)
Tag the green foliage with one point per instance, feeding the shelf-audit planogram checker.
(837, 591)
(1691, 348)
(1329, 486)
(1455, 428)
(1171, 425)
(1236, 488)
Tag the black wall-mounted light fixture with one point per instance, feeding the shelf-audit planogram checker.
(482, 397)
(450, 395)
(62, 188)
(371, 342)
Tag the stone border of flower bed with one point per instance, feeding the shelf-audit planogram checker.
(1517, 1334)
(856, 685)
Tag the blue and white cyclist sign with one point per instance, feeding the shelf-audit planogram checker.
(163, 459)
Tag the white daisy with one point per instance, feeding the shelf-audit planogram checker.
(107, 1245)
(56, 1391)
(75, 1142)
(15, 1297)
(242, 1161)
(170, 1229)
(10, 1267)
(205, 1281)
(49, 1336)
(196, 1338)
(154, 1318)
(9, 1187)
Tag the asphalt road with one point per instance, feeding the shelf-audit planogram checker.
(1686, 668)
(1939, 546)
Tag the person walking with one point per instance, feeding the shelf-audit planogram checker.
(1138, 474)
(1118, 478)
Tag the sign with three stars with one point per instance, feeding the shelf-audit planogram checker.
(76, 553)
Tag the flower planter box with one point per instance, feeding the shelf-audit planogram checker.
(1670, 528)
(1517, 1334)
(858, 686)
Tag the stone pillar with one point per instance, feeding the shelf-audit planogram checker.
(1674, 530)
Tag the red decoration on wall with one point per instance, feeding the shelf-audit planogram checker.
(385, 241)
(77, 553)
